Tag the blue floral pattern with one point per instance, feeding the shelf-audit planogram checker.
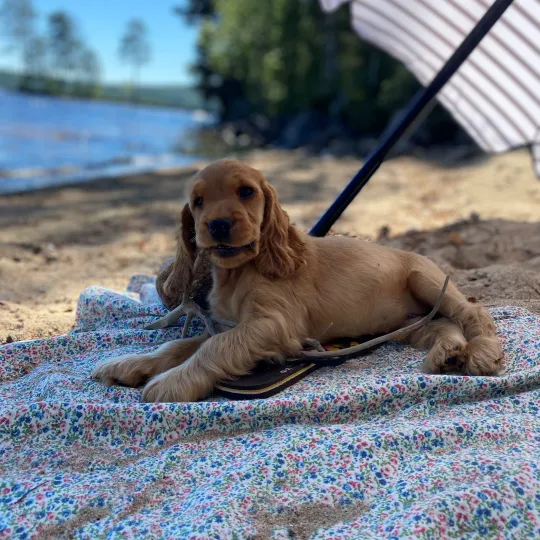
(370, 449)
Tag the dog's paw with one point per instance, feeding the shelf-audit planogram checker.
(177, 385)
(168, 388)
(444, 357)
(130, 370)
(484, 356)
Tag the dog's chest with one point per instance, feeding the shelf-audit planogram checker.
(228, 295)
(225, 304)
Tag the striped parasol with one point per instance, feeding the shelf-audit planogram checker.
(495, 95)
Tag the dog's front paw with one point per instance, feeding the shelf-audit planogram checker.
(484, 356)
(175, 386)
(130, 370)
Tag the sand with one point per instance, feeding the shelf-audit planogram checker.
(56, 242)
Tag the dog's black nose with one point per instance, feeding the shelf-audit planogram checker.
(220, 229)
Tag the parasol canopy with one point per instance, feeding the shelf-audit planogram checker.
(495, 95)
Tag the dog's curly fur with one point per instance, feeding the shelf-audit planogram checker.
(282, 286)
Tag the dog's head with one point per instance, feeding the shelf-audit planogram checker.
(234, 214)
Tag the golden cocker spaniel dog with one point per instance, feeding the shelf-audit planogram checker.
(281, 287)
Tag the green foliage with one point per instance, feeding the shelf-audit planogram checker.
(64, 43)
(285, 57)
(184, 97)
(56, 63)
(89, 72)
(60, 63)
(35, 57)
(273, 50)
(134, 46)
(75, 68)
(17, 19)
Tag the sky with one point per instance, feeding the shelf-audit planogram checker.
(101, 24)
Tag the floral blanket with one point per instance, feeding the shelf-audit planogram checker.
(371, 449)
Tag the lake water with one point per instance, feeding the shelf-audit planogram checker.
(48, 141)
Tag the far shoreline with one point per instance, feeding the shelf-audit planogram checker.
(106, 139)
(69, 180)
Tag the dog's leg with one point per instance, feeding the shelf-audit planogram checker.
(444, 340)
(232, 353)
(134, 369)
(483, 353)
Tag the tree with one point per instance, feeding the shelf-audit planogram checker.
(89, 71)
(224, 92)
(17, 18)
(35, 57)
(304, 72)
(135, 48)
(291, 58)
(274, 64)
(64, 45)
(195, 10)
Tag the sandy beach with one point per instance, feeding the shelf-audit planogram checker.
(479, 219)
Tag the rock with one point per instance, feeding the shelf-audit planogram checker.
(11, 338)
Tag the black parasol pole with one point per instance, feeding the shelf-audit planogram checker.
(415, 107)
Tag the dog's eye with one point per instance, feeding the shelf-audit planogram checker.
(245, 192)
(198, 202)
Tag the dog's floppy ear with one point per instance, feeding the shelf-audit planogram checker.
(281, 250)
(175, 278)
(186, 235)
